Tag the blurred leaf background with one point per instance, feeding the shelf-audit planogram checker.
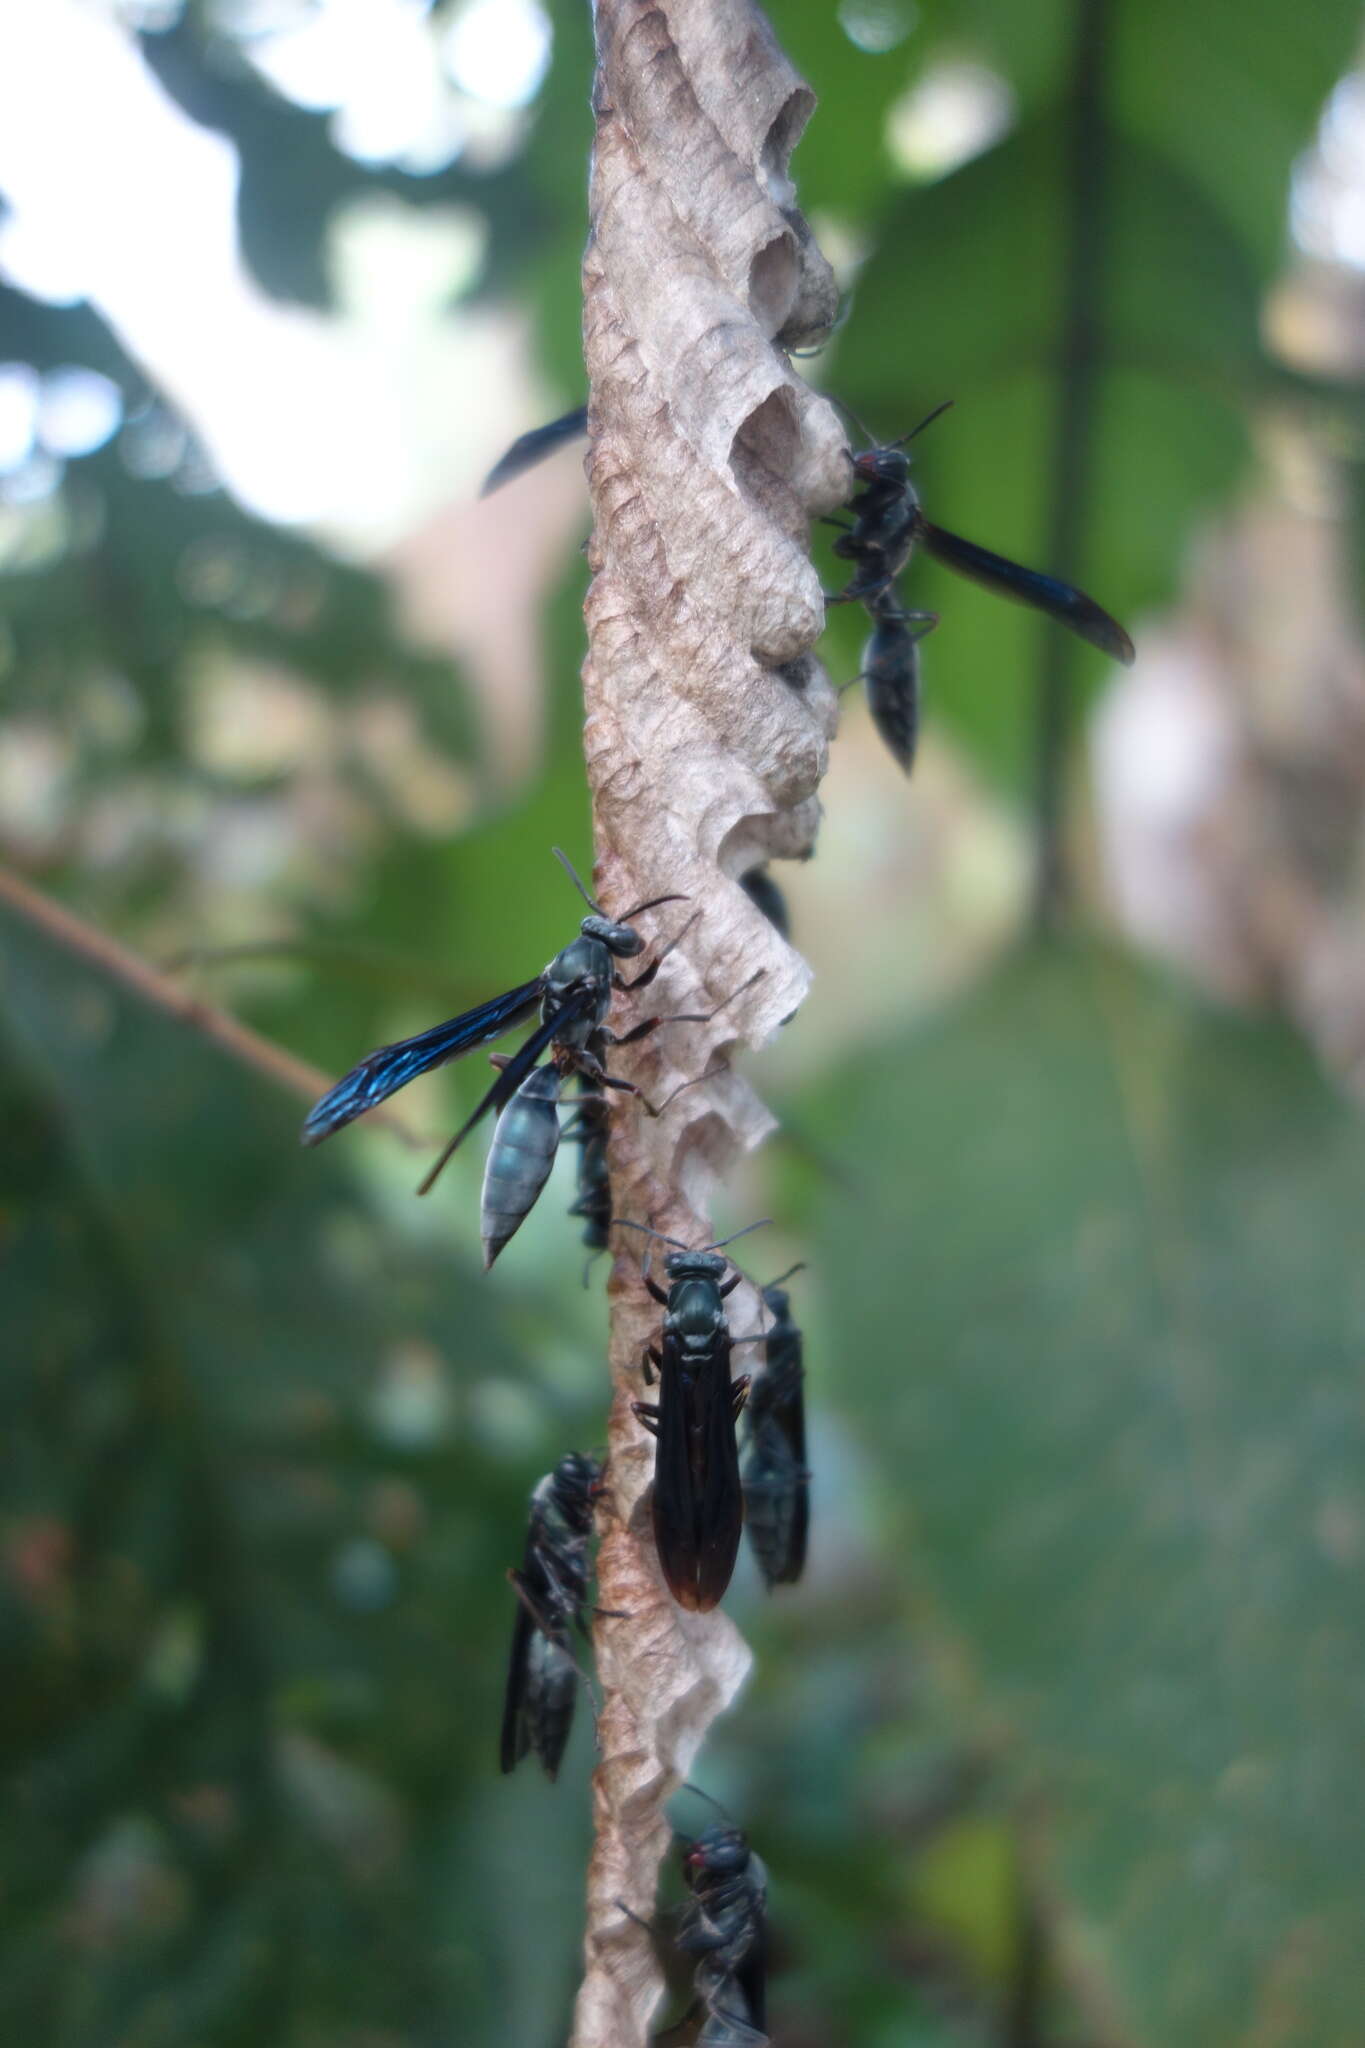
(1057, 1747)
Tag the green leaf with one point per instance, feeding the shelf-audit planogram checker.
(1198, 119)
(1228, 94)
(981, 255)
(1104, 1298)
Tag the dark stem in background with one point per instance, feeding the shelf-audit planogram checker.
(1086, 199)
(1022, 2020)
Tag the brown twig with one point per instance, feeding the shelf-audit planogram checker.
(234, 1038)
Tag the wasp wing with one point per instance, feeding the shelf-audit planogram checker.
(720, 1494)
(380, 1074)
(530, 448)
(800, 1536)
(674, 1510)
(1061, 601)
(528, 1584)
(516, 1718)
(511, 1077)
(790, 1416)
(752, 1974)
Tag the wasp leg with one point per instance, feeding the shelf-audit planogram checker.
(643, 980)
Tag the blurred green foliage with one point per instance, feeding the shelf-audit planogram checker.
(1127, 1305)
(1055, 1747)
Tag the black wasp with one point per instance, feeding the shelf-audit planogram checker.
(887, 526)
(552, 1592)
(698, 1507)
(573, 994)
(724, 1925)
(776, 1480)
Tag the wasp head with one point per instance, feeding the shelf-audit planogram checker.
(695, 1265)
(621, 939)
(882, 466)
(718, 1851)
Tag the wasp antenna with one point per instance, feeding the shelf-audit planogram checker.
(688, 1786)
(572, 874)
(721, 1242)
(849, 413)
(799, 1267)
(928, 420)
(624, 1223)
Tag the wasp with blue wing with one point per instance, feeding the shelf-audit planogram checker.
(573, 995)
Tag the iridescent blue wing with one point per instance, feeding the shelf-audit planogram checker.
(530, 448)
(512, 1076)
(1048, 594)
(393, 1066)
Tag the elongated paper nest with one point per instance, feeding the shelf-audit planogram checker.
(708, 725)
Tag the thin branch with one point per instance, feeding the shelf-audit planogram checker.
(1087, 193)
(240, 1043)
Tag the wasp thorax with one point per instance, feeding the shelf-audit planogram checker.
(584, 961)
